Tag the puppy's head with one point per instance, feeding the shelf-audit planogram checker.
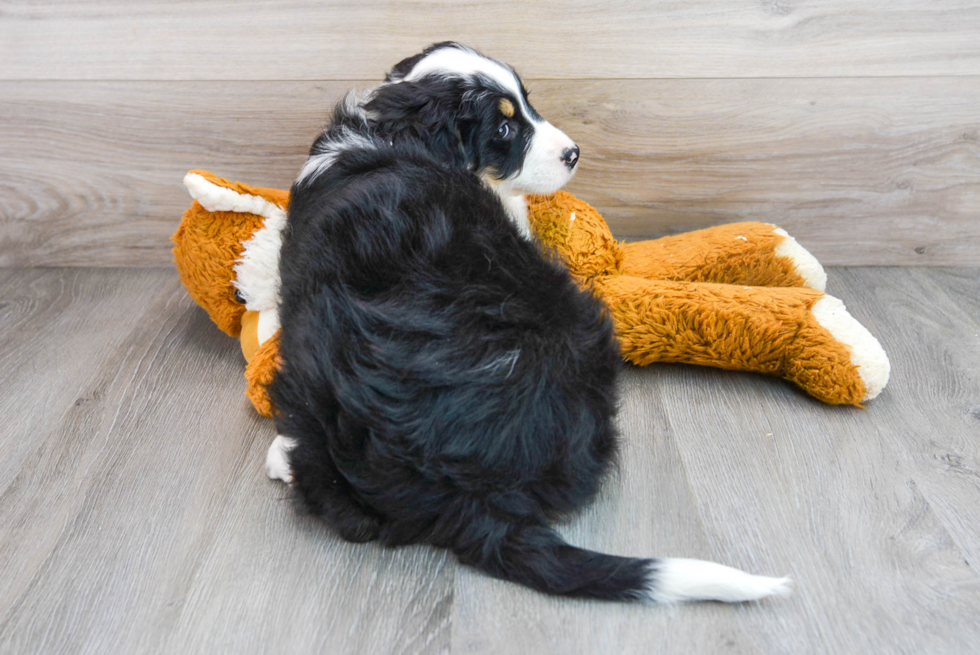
(473, 111)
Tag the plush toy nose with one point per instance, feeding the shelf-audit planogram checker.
(570, 157)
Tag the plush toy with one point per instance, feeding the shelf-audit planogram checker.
(742, 296)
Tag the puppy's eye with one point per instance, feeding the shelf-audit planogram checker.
(504, 131)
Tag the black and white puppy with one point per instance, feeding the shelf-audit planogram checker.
(442, 379)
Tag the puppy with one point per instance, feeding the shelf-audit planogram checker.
(442, 379)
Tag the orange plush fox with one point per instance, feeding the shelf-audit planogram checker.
(742, 296)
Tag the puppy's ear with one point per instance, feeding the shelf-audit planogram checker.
(405, 66)
(430, 111)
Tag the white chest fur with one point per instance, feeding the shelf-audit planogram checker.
(516, 206)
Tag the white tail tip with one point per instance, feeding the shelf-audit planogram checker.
(675, 580)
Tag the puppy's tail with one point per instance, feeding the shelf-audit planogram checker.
(534, 555)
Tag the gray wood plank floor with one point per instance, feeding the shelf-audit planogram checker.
(135, 516)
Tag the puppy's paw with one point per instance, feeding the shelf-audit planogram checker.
(357, 527)
(277, 462)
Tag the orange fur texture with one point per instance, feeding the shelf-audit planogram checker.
(259, 374)
(206, 247)
(716, 297)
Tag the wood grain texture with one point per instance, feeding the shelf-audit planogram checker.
(64, 323)
(946, 329)
(879, 172)
(137, 518)
(113, 509)
(113, 39)
(863, 172)
(144, 492)
(92, 171)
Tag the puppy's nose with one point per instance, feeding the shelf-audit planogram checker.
(570, 156)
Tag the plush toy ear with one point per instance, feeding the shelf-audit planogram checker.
(430, 110)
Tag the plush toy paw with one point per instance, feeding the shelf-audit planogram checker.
(801, 262)
(867, 357)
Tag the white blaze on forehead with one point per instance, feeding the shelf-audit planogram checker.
(456, 61)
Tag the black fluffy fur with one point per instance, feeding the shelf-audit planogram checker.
(445, 380)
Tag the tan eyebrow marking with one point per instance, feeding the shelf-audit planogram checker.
(506, 108)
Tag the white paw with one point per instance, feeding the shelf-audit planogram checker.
(867, 355)
(678, 580)
(806, 264)
(276, 462)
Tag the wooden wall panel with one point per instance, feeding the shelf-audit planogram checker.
(92, 171)
(864, 171)
(333, 39)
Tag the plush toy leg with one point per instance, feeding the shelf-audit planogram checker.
(799, 334)
(754, 254)
(259, 374)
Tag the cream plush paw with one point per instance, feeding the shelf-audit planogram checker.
(805, 264)
(834, 357)
(867, 355)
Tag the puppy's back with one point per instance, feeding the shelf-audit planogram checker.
(414, 309)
